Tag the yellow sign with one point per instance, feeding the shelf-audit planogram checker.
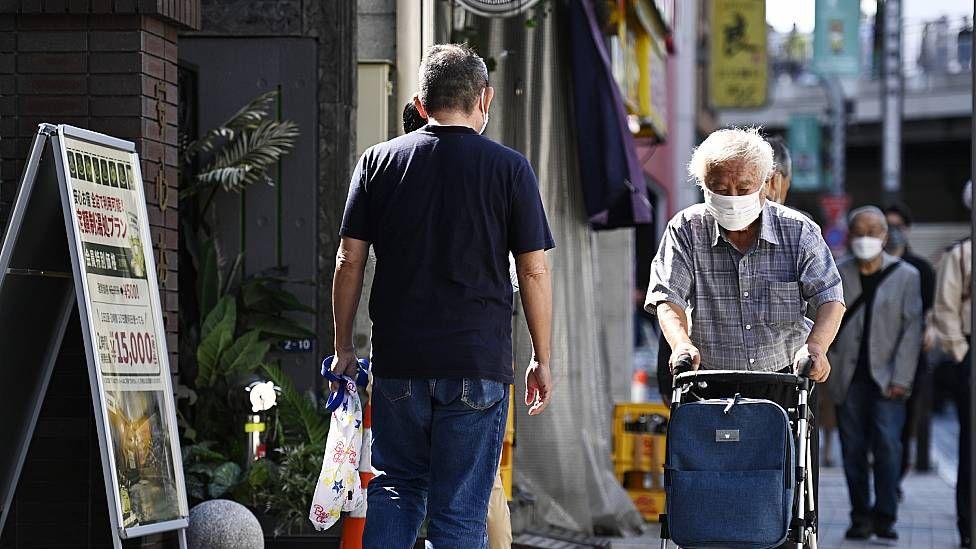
(738, 65)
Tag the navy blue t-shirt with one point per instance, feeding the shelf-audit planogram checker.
(443, 207)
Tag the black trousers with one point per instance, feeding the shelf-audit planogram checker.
(960, 395)
(786, 396)
(918, 424)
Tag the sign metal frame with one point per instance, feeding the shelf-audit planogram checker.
(28, 180)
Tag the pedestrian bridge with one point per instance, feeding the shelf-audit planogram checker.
(927, 97)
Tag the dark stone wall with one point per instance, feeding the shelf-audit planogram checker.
(109, 66)
(333, 24)
(110, 73)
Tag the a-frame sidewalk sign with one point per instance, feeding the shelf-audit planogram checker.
(78, 239)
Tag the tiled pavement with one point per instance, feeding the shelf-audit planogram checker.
(927, 514)
(926, 517)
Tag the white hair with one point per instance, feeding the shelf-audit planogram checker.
(868, 210)
(728, 146)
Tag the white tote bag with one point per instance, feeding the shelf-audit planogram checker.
(338, 488)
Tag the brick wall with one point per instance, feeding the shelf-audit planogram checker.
(114, 74)
(109, 66)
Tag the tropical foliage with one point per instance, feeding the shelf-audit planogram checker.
(229, 326)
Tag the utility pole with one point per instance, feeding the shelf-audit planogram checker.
(414, 34)
(837, 110)
(892, 97)
(972, 335)
(685, 101)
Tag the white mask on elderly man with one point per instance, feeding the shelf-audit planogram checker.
(866, 248)
(734, 213)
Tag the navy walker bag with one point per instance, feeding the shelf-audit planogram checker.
(729, 474)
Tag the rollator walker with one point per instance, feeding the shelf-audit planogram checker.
(738, 471)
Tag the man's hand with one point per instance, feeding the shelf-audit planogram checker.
(928, 339)
(538, 387)
(820, 370)
(896, 392)
(346, 363)
(682, 350)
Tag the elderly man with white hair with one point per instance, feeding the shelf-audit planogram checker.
(745, 269)
(875, 357)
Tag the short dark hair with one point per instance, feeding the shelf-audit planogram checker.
(411, 118)
(901, 211)
(782, 162)
(452, 77)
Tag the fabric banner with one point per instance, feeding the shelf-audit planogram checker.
(836, 45)
(614, 191)
(803, 137)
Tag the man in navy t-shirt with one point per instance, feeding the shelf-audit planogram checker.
(442, 208)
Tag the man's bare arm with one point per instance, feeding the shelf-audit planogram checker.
(829, 316)
(535, 288)
(347, 286)
(674, 326)
(826, 325)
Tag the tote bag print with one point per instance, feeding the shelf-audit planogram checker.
(338, 488)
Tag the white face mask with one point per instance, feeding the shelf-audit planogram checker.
(485, 106)
(866, 248)
(734, 213)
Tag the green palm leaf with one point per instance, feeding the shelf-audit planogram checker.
(244, 161)
(296, 409)
(248, 116)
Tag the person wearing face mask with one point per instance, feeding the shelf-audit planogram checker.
(442, 208)
(499, 516)
(874, 360)
(733, 277)
(776, 190)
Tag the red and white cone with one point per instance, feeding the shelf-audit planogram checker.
(355, 523)
(640, 390)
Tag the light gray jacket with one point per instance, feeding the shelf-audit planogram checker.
(896, 329)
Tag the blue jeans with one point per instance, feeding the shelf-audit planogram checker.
(436, 445)
(869, 422)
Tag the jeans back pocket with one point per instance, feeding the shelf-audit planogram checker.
(481, 394)
(392, 388)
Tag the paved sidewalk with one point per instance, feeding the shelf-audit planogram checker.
(926, 517)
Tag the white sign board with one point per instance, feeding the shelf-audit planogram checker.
(124, 327)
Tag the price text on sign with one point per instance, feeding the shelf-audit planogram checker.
(134, 348)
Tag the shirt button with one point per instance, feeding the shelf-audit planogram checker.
(752, 361)
(745, 294)
(748, 326)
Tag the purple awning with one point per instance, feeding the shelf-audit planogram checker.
(613, 183)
